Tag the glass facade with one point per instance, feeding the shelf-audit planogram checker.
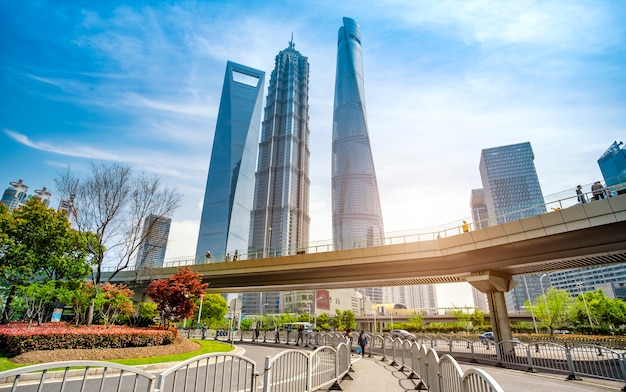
(225, 221)
(156, 231)
(280, 217)
(609, 278)
(510, 183)
(480, 216)
(613, 164)
(512, 192)
(357, 218)
(15, 195)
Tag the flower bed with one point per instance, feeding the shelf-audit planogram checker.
(17, 338)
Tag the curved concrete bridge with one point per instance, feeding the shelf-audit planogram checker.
(578, 236)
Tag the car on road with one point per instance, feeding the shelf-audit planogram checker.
(485, 337)
(403, 334)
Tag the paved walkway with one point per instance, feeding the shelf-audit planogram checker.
(372, 374)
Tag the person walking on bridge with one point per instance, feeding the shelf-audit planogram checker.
(466, 227)
(362, 342)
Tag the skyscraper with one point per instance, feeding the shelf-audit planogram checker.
(357, 217)
(613, 164)
(510, 183)
(15, 195)
(225, 221)
(280, 218)
(480, 216)
(512, 192)
(151, 253)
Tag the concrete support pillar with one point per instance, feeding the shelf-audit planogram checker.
(495, 284)
(499, 316)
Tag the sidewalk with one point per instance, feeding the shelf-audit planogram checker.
(371, 374)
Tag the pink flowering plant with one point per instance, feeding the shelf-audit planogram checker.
(17, 338)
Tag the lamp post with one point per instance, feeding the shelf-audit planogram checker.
(545, 300)
(580, 285)
(200, 311)
(532, 312)
(315, 312)
(263, 312)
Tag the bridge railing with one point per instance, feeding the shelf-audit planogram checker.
(557, 201)
(434, 373)
(573, 360)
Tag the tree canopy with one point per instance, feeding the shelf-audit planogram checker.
(114, 202)
(37, 244)
(174, 295)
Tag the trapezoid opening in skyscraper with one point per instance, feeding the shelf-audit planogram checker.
(225, 221)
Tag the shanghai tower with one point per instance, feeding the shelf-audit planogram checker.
(357, 218)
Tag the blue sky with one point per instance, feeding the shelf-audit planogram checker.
(140, 82)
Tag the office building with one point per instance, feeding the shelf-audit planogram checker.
(613, 164)
(356, 213)
(511, 192)
(225, 221)
(611, 279)
(510, 183)
(43, 195)
(15, 195)
(480, 300)
(480, 216)
(420, 297)
(280, 216)
(155, 232)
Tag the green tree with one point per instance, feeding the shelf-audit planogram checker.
(323, 321)
(344, 320)
(38, 244)
(114, 301)
(416, 322)
(593, 311)
(214, 308)
(557, 313)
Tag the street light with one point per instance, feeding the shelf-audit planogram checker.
(315, 312)
(200, 311)
(532, 312)
(580, 285)
(545, 300)
(263, 312)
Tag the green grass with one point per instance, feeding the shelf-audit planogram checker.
(206, 347)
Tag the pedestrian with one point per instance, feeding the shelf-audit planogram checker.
(581, 196)
(300, 335)
(276, 335)
(466, 227)
(256, 332)
(362, 342)
(597, 190)
(203, 331)
(227, 257)
(236, 255)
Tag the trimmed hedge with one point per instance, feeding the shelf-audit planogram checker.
(20, 339)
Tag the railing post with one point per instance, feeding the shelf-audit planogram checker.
(529, 357)
(570, 365)
(267, 375)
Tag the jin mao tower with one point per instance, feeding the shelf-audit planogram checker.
(280, 217)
